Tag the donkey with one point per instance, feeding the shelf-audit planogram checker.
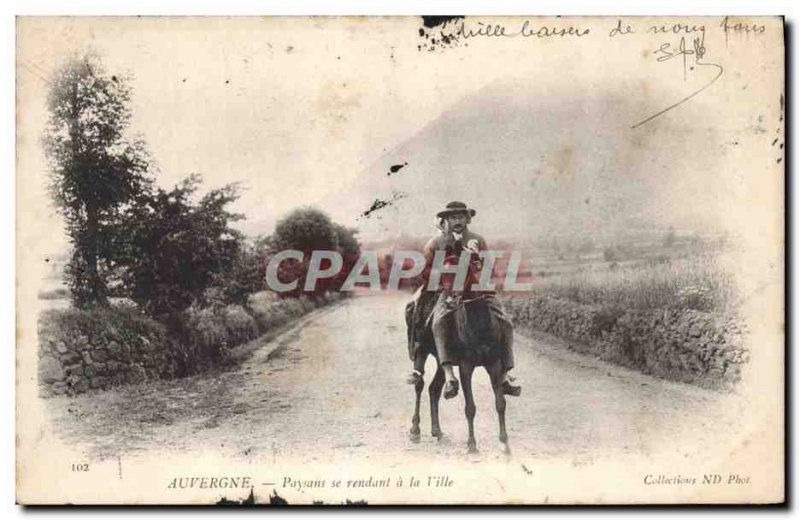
(479, 327)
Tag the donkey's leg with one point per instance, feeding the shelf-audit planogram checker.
(418, 386)
(465, 374)
(496, 377)
(435, 391)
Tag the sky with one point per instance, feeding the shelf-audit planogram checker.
(313, 112)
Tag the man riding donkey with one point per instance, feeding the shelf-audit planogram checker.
(433, 311)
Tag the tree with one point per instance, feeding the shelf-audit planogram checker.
(350, 249)
(95, 171)
(245, 276)
(176, 249)
(307, 230)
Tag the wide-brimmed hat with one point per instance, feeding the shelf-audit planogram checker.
(456, 207)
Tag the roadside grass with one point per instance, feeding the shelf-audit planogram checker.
(698, 282)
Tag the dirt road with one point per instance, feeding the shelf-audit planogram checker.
(333, 387)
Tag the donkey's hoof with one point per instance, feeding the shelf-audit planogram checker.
(505, 449)
(414, 437)
(451, 389)
(437, 433)
(472, 447)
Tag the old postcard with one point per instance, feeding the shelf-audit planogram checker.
(400, 260)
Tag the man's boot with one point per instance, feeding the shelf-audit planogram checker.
(509, 388)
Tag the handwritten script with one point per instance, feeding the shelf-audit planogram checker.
(681, 42)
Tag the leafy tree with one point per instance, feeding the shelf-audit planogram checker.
(305, 229)
(308, 229)
(95, 171)
(347, 242)
(350, 249)
(244, 277)
(176, 249)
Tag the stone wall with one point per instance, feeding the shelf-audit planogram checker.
(685, 345)
(82, 350)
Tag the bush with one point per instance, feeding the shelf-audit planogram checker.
(101, 325)
(212, 332)
(175, 248)
(240, 326)
(271, 311)
(205, 332)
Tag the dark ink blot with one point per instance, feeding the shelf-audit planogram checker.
(183, 80)
(438, 36)
(249, 501)
(276, 500)
(114, 79)
(289, 49)
(380, 204)
(396, 168)
(347, 502)
(227, 82)
(526, 470)
(46, 259)
(436, 21)
(781, 146)
(779, 160)
(775, 141)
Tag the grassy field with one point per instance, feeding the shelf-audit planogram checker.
(692, 276)
(671, 316)
(698, 283)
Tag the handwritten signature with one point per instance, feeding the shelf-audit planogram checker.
(697, 51)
